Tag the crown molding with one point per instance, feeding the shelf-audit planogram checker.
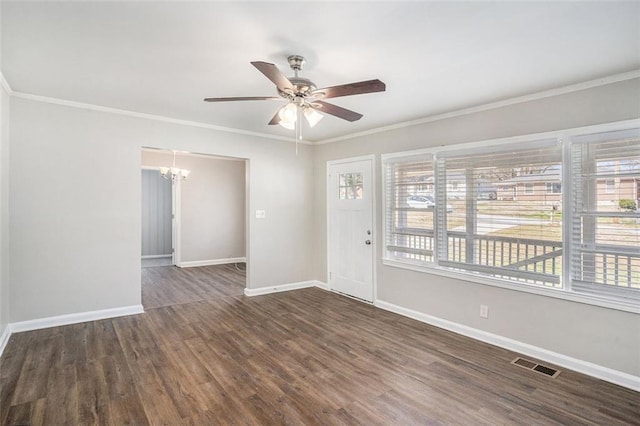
(154, 117)
(457, 113)
(493, 105)
(191, 154)
(5, 84)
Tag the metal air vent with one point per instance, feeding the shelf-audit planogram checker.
(539, 368)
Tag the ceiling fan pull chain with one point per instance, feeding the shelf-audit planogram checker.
(298, 126)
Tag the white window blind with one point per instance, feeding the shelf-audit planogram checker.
(605, 227)
(559, 215)
(498, 219)
(410, 202)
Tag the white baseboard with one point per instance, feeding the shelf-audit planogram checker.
(4, 338)
(56, 321)
(322, 286)
(585, 367)
(195, 263)
(156, 256)
(282, 287)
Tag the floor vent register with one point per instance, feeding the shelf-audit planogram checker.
(539, 368)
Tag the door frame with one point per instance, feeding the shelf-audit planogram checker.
(175, 217)
(374, 228)
(175, 222)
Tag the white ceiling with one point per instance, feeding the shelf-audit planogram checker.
(164, 57)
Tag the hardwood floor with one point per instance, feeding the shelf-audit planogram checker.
(300, 357)
(170, 285)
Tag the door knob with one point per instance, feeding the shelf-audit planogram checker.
(368, 242)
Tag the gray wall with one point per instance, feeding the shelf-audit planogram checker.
(4, 210)
(603, 336)
(156, 214)
(75, 231)
(212, 201)
(76, 241)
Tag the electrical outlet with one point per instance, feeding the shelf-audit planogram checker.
(484, 311)
(260, 214)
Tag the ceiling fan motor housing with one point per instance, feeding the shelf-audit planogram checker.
(302, 87)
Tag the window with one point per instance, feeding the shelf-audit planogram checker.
(528, 188)
(350, 186)
(514, 239)
(455, 210)
(606, 224)
(609, 186)
(553, 187)
(409, 220)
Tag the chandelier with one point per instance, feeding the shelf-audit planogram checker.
(173, 172)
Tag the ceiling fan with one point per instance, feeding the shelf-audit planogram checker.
(303, 96)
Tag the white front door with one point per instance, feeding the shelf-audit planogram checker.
(350, 227)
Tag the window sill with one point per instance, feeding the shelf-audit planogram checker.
(618, 304)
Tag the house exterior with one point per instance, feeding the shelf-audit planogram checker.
(547, 189)
(544, 187)
(456, 186)
(611, 191)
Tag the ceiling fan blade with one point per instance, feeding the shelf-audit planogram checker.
(244, 98)
(337, 111)
(273, 73)
(369, 86)
(275, 119)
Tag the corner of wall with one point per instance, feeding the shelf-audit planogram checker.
(5, 330)
(4, 337)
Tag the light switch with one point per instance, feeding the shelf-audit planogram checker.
(260, 214)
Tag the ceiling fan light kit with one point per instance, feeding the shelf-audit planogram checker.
(313, 117)
(304, 98)
(288, 116)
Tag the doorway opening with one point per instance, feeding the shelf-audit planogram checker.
(157, 219)
(193, 229)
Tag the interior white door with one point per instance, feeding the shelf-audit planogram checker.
(350, 227)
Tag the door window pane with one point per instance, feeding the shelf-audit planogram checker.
(350, 186)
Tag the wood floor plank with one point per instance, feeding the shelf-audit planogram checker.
(93, 401)
(126, 411)
(170, 285)
(102, 339)
(26, 413)
(225, 370)
(158, 406)
(164, 328)
(265, 413)
(62, 396)
(31, 384)
(207, 354)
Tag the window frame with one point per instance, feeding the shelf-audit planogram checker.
(352, 190)
(592, 247)
(529, 189)
(609, 189)
(551, 186)
(564, 137)
(388, 206)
